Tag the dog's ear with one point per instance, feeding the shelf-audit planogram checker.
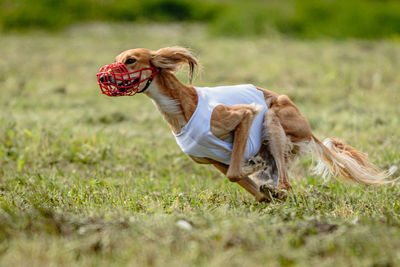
(171, 58)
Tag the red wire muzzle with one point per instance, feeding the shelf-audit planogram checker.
(115, 79)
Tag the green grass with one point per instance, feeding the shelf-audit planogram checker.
(90, 180)
(310, 19)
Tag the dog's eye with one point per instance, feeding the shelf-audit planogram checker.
(130, 61)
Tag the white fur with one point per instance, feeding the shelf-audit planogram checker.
(169, 108)
(163, 103)
(331, 165)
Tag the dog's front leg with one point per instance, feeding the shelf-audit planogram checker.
(241, 133)
(246, 183)
(236, 120)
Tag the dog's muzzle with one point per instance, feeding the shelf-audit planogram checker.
(115, 79)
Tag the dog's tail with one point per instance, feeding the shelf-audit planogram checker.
(338, 159)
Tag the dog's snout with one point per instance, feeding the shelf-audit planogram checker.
(106, 78)
(103, 78)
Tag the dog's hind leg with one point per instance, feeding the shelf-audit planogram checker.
(285, 130)
(279, 145)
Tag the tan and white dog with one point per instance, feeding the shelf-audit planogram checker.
(286, 130)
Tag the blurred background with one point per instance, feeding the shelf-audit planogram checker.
(91, 180)
(367, 19)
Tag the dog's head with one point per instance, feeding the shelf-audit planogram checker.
(134, 69)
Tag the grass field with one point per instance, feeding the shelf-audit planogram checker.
(90, 180)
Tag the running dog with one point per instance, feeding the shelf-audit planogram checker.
(242, 130)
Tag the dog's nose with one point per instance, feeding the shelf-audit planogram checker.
(103, 78)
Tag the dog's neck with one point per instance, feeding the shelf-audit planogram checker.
(175, 101)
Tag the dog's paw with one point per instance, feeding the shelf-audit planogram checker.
(274, 192)
(265, 198)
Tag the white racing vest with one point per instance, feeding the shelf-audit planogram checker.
(196, 138)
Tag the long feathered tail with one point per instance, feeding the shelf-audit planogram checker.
(338, 159)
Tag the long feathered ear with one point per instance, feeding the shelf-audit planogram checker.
(171, 58)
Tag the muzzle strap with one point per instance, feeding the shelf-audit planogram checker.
(149, 81)
(146, 86)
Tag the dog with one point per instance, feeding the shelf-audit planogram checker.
(248, 133)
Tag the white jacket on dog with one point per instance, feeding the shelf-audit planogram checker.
(196, 138)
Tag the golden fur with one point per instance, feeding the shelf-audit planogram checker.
(287, 131)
